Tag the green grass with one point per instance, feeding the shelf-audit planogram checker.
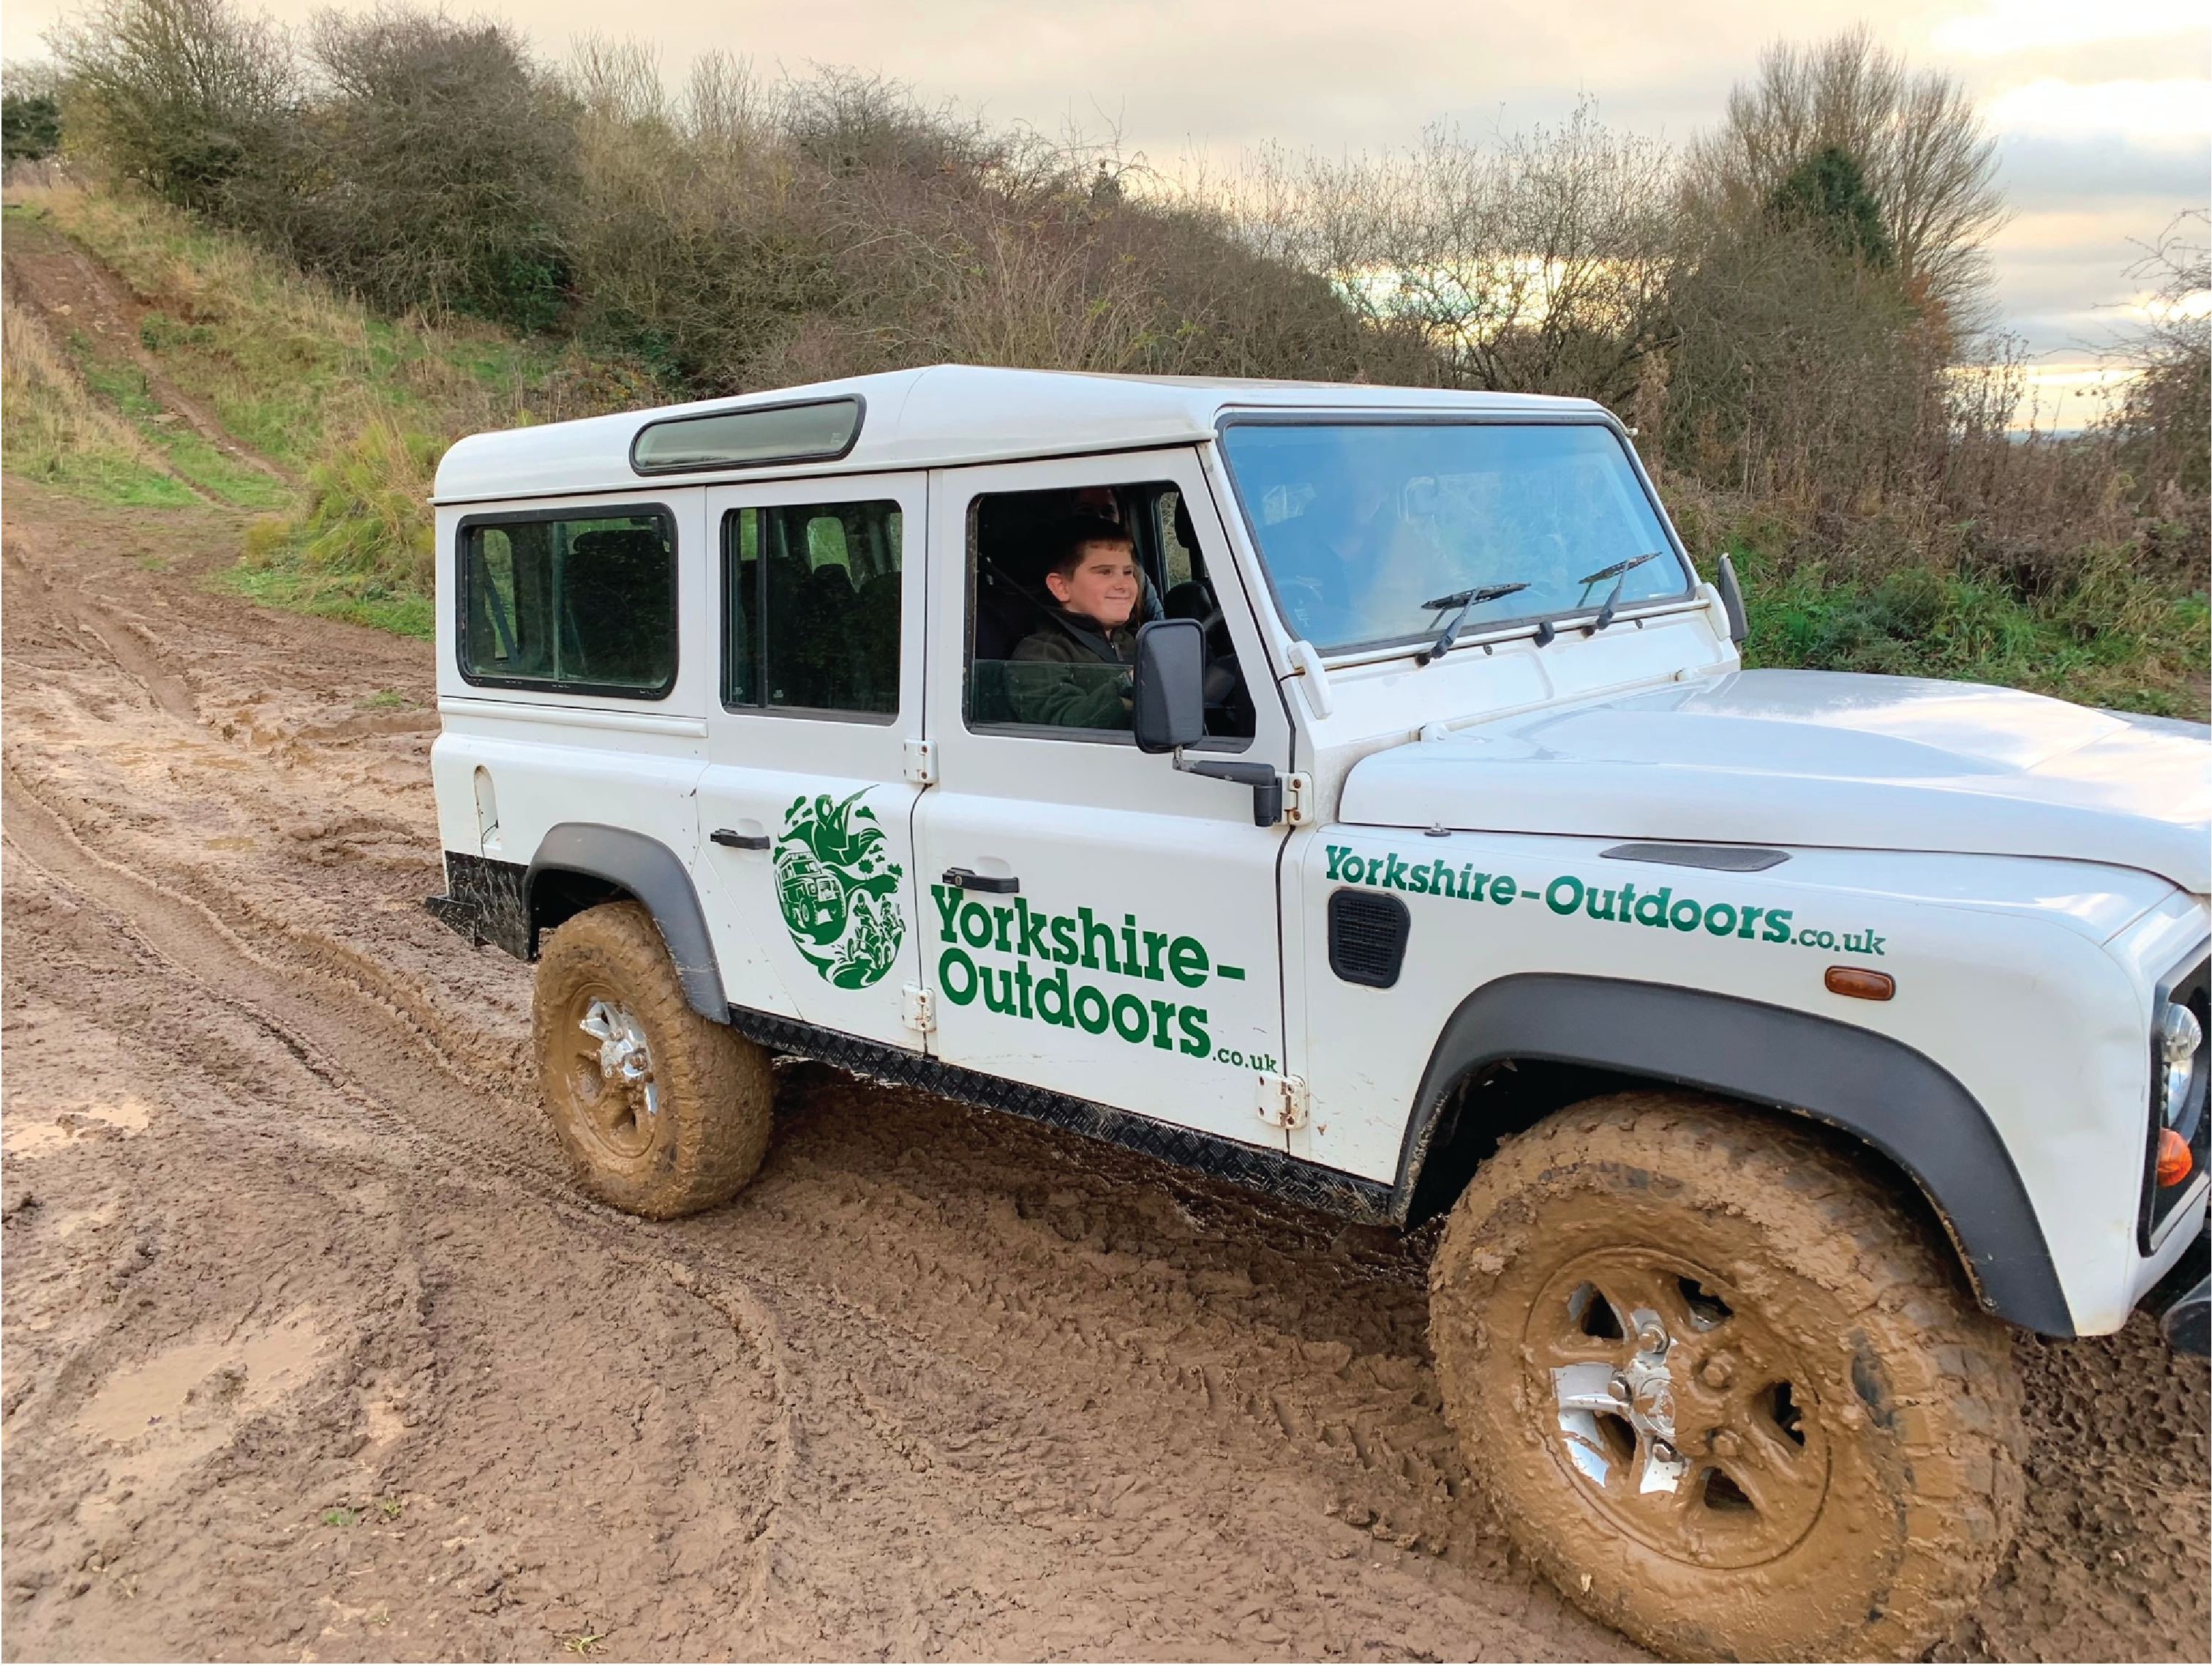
(285, 363)
(355, 598)
(124, 388)
(115, 480)
(2105, 637)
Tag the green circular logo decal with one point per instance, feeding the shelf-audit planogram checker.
(838, 887)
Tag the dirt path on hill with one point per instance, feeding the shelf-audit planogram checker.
(311, 1351)
(71, 293)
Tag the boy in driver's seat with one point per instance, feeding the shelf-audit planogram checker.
(1073, 671)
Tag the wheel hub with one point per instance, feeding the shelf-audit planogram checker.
(1678, 1414)
(625, 1057)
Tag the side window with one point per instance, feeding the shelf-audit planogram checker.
(810, 604)
(585, 604)
(1059, 582)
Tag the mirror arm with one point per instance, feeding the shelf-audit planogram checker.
(1732, 602)
(1267, 784)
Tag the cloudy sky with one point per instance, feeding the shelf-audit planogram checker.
(2104, 111)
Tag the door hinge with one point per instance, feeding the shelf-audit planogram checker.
(1298, 798)
(1283, 1101)
(921, 763)
(918, 1008)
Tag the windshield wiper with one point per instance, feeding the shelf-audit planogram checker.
(1466, 601)
(1618, 572)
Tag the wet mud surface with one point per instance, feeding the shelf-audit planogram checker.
(312, 1352)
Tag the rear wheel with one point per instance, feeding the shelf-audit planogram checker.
(1721, 1388)
(660, 1111)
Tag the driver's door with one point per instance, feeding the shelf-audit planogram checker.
(1092, 921)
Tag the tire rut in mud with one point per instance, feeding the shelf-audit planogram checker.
(936, 1381)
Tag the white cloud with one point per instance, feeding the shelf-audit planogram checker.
(2012, 26)
(2142, 109)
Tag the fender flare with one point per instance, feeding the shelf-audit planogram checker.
(1885, 1094)
(652, 872)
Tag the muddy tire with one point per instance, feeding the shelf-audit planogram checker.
(659, 1111)
(1722, 1388)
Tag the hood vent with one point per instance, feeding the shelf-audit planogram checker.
(1724, 858)
(1367, 933)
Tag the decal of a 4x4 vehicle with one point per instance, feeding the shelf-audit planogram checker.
(1664, 906)
(838, 888)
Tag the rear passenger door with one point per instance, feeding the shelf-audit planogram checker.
(805, 809)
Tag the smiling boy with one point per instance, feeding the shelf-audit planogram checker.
(1074, 671)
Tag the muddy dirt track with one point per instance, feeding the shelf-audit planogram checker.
(311, 1351)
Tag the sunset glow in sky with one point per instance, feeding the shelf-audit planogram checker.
(2104, 113)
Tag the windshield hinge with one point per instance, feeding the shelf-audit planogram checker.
(1283, 1101)
(921, 763)
(1298, 798)
(918, 1008)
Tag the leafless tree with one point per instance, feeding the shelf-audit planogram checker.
(1928, 158)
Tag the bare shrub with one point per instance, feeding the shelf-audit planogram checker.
(1536, 265)
(2164, 419)
(736, 234)
(187, 96)
(430, 169)
(695, 236)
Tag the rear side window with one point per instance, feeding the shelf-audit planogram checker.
(584, 604)
(811, 608)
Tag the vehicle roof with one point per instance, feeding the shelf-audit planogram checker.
(938, 416)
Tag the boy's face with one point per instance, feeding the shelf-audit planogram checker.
(1103, 586)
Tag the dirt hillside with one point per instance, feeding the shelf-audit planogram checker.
(312, 1352)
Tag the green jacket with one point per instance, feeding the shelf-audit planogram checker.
(1071, 674)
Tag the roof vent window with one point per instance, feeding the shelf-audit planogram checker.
(818, 431)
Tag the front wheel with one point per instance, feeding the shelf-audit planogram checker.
(1722, 1388)
(659, 1111)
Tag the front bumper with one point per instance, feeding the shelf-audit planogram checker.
(2181, 1301)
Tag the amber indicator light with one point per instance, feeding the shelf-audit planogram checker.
(1860, 985)
(2174, 1160)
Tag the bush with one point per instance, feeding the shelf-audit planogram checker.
(188, 96)
(429, 171)
(30, 113)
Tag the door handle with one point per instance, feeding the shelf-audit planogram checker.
(964, 878)
(733, 839)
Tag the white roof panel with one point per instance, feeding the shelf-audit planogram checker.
(936, 418)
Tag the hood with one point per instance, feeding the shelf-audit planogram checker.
(1811, 757)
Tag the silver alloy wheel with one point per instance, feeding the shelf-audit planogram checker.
(625, 1057)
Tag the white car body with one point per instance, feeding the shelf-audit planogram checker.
(2032, 874)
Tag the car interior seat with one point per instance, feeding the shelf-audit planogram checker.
(616, 599)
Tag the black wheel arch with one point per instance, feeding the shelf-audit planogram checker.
(1577, 1037)
(582, 864)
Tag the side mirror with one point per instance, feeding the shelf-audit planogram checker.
(1732, 602)
(1168, 700)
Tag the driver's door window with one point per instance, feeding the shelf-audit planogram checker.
(1060, 579)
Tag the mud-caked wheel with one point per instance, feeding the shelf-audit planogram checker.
(659, 1111)
(1722, 1388)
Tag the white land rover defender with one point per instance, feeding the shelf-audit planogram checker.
(1401, 837)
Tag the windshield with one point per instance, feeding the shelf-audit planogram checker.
(1374, 533)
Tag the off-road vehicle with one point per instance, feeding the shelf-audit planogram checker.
(1772, 1040)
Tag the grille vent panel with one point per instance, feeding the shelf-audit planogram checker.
(1367, 934)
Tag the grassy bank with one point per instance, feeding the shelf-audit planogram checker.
(339, 415)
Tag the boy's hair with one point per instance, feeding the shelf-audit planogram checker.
(1072, 535)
